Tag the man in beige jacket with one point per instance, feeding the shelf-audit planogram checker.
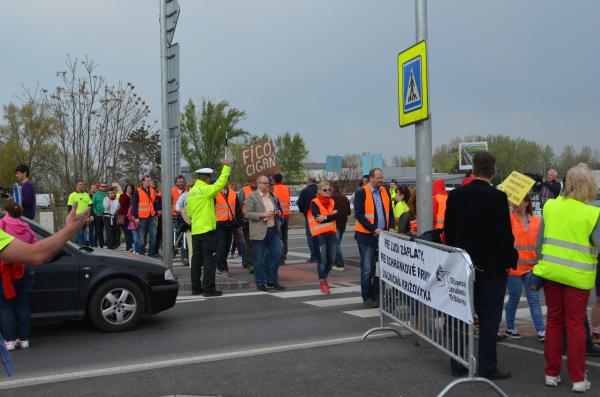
(263, 217)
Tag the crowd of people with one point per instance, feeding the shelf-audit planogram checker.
(512, 249)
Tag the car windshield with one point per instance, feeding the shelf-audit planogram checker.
(41, 233)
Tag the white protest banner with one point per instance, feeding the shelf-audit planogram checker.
(435, 277)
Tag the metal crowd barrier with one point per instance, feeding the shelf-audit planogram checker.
(450, 335)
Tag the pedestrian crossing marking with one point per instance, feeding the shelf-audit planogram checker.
(313, 292)
(335, 302)
(364, 313)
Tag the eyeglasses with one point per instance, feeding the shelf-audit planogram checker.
(103, 186)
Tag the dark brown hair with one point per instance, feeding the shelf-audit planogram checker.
(529, 209)
(13, 209)
(484, 164)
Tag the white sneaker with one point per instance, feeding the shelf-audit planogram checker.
(553, 381)
(338, 268)
(23, 344)
(581, 387)
(10, 344)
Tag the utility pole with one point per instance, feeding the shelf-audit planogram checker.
(169, 137)
(423, 142)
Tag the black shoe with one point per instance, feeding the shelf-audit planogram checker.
(501, 337)
(277, 286)
(194, 292)
(592, 350)
(371, 303)
(213, 292)
(497, 375)
(262, 287)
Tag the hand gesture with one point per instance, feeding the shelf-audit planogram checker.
(377, 232)
(75, 221)
(226, 162)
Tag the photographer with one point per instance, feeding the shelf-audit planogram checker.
(550, 187)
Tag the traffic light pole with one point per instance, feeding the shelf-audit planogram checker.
(423, 145)
(166, 171)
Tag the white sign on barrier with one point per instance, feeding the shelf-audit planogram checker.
(294, 203)
(438, 278)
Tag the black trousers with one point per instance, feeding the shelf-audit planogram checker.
(249, 250)
(224, 237)
(285, 224)
(204, 247)
(489, 302)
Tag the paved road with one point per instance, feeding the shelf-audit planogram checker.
(292, 343)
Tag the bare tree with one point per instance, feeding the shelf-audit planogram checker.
(93, 120)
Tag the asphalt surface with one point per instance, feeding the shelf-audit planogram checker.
(259, 344)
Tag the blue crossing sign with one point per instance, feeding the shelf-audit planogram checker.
(413, 103)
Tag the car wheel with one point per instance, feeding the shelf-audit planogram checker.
(117, 305)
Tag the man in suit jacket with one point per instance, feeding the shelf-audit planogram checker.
(478, 221)
(263, 216)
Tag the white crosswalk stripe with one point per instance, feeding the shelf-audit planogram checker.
(335, 302)
(314, 292)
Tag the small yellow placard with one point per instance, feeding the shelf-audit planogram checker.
(413, 102)
(516, 186)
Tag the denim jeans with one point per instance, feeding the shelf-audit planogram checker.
(224, 237)
(80, 237)
(146, 226)
(129, 244)
(327, 247)
(339, 258)
(91, 234)
(98, 231)
(272, 242)
(242, 248)
(514, 286)
(14, 313)
(369, 287)
(313, 244)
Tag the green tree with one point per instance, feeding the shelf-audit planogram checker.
(291, 153)
(204, 135)
(141, 155)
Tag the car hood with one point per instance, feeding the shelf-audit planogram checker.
(123, 255)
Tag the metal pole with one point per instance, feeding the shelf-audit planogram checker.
(166, 174)
(423, 141)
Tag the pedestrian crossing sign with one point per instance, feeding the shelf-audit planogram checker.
(413, 102)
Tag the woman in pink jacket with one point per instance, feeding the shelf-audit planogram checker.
(17, 282)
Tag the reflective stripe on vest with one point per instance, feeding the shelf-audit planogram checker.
(145, 203)
(175, 194)
(317, 228)
(370, 208)
(441, 212)
(568, 256)
(283, 194)
(525, 243)
(223, 211)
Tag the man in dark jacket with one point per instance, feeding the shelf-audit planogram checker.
(306, 196)
(550, 187)
(342, 206)
(477, 220)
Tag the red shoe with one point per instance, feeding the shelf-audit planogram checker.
(324, 287)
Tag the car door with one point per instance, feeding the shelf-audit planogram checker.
(56, 287)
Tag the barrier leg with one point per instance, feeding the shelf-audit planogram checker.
(488, 382)
(381, 327)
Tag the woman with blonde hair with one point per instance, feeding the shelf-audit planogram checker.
(568, 242)
(322, 224)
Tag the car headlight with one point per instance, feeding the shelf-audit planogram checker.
(169, 275)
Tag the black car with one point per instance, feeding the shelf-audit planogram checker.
(111, 289)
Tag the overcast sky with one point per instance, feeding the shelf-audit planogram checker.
(327, 68)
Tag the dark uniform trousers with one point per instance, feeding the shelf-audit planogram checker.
(204, 248)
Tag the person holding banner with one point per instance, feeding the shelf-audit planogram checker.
(322, 223)
(569, 237)
(525, 227)
(477, 220)
(374, 212)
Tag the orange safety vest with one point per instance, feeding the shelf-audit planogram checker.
(175, 194)
(283, 194)
(224, 209)
(438, 222)
(145, 203)
(317, 228)
(525, 243)
(247, 190)
(370, 208)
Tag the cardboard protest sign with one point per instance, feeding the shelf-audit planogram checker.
(259, 159)
(516, 186)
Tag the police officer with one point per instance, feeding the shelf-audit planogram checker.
(201, 208)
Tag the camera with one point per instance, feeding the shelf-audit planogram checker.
(538, 181)
(5, 192)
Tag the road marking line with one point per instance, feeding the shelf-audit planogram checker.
(364, 313)
(335, 302)
(146, 366)
(541, 352)
(298, 254)
(187, 298)
(312, 292)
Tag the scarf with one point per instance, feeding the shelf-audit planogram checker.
(324, 200)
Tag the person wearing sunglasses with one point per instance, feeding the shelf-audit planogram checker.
(322, 223)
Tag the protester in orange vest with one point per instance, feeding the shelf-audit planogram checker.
(322, 223)
(374, 213)
(439, 203)
(144, 208)
(176, 192)
(525, 227)
(227, 214)
(247, 253)
(283, 193)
